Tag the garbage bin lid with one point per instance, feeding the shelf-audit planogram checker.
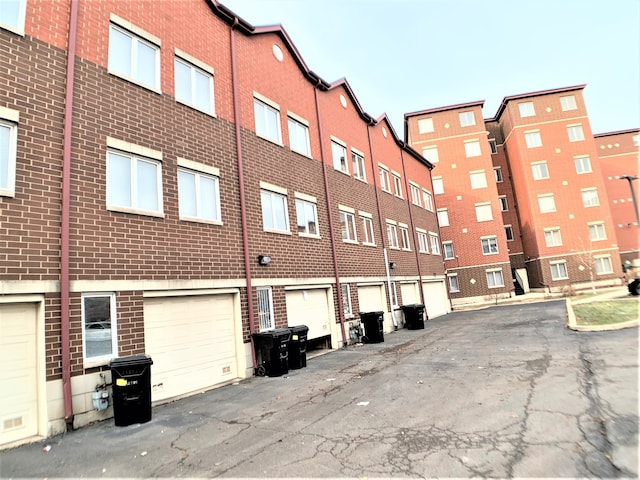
(132, 360)
(299, 329)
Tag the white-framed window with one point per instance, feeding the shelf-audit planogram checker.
(603, 264)
(497, 174)
(404, 237)
(489, 245)
(478, 179)
(540, 170)
(266, 320)
(8, 149)
(393, 295)
(467, 119)
(275, 213)
(431, 154)
(194, 85)
(636, 140)
(494, 278)
(508, 231)
(575, 133)
(454, 285)
(590, 197)
(597, 231)
(307, 217)
(483, 212)
(414, 191)
(346, 300)
(558, 270)
(472, 148)
(423, 241)
(552, 237)
(428, 199)
(339, 155)
(397, 184)
(267, 117)
(392, 235)
(533, 139)
(493, 146)
(434, 240)
(12, 15)
(582, 163)
(546, 203)
(198, 196)
(134, 184)
(299, 135)
(385, 181)
(443, 217)
(568, 102)
(357, 165)
(526, 109)
(133, 57)
(99, 327)
(367, 228)
(504, 206)
(438, 186)
(348, 226)
(425, 125)
(447, 250)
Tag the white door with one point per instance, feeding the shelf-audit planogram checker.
(18, 372)
(435, 298)
(409, 292)
(371, 298)
(191, 341)
(310, 308)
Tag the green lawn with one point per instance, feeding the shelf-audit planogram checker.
(607, 313)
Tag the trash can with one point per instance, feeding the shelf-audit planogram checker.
(131, 382)
(414, 316)
(298, 347)
(373, 326)
(272, 352)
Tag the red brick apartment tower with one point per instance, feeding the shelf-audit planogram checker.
(567, 231)
(474, 242)
(618, 154)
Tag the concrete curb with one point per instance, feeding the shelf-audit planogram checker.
(572, 324)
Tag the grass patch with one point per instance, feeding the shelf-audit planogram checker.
(606, 313)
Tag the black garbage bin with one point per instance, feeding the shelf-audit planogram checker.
(414, 316)
(272, 352)
(373, 326)
(131, 382)
(298, 347)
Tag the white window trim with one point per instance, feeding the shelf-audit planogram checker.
(268, 103)
(209, 171)
(428, 206)
(466, 115)
(349, 211)
(425, 121)
(589, 190)
(552, 229)
(397, 184)
(571, 127)
(422, 234)
(483, 205)
(432, 236)
(272, 321)
(369, 217)
(504, 203)
(349, 313)
(539, 137)
(525, 111)
(602, 257)
(387, 176)
(444, 250)
(573, 104)
(313, 201)
(404, 235)
(195, 63)
(433, 179)
(363, 176)
(337, 141)
(495, 174)
(12, 118)
(301, 121)
(559, 262)
(581, 158)
(416, 193)
(268, 187)
(392, 234)
(510, 227)
(494, 270)
(89, 362)
(534, 169)
(489, 237)
(493, 146)
(19, 29)
(596, 224)
(449, 275)
(445, 212)
(480, 179)
(473, 154)
(547, 195)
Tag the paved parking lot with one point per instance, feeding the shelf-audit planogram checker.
(505, 391)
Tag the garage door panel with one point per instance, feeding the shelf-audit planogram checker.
(370, 299)
(435, 297)
(310, 308)
(409, 293)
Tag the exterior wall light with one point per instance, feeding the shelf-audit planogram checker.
(264, 260)
(392, 265)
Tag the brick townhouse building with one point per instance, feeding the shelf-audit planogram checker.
(174, 179)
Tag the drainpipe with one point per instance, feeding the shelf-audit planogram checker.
(65, 214)
(243, 205)
(329, 204)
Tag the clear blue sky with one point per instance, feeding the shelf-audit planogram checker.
(401, 56)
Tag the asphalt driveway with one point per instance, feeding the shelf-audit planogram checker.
(506, 391)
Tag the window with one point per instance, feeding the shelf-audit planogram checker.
(133, 183)
(348, 226)
(385, 183)
(404, 236)
(346, 300)
(504, 206)
(339, 154)
(443, 217)
(497, 173)
(299, 136)
(425, 125)
(493, 146)
(100, 340)
(552, 237)
(414, 191)
(575, 133)
(428, 199)
(489, 245)
(12, 15)
(546, 203)
(194, 86)
(583, 164)
(466, 119)
(447, 249)
(596, 232)
(435, 243)
(392, 235)
(423, 242)
(472, 148)
(590, 197)
(494, 278)
(478, 179)
(367, 228)
(540, 170)
(533, 139)
(454, 286)
(275, 216)
(198, 196)
(393, 295)
(636, 140)
(8, 145)
(134, 58)
(431, 154)
(265, 308)
(438, 186)
(508, 231)
(357, 166)
(526, 109)
(568, 102)
(267, 120)
(603, 264)
(307, 216)
(397, 184)
(483, 212)
(558, 270)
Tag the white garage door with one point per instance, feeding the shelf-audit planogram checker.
(18, 372)
(370, 298)
(191, 341)
(435, 298)
(409, 292)
(310, 308)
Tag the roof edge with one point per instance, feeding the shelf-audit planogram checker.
(617, 132)
(538, 93)
(477, 103)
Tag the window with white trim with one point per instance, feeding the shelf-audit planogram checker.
(397, 184)
(266, 320)
(367, 228)
(443, 217)
(392, 235)
(483, 212)
(428, 199)
(540, 170)
(134, 58)
(8, 149)
(526, 109)
(493, 147)
(454, 285)
(478, 179)
(546, 203)
(597, 232)
(497, 174)
(568, 102)
(552, 237)
(425, 125)
(357, 166)
(423, 241)
(339, 155)
(447, 250)
(275, 213)
(489, 245)
(508, 231)
(504, 206)
(12, 15)
(267, 117)
(590, 197)
(438, 186)
(472, 148)
(431, 154)
(603, 264)
(414, 191)
(194, 86)
(299, 136)
(583, 164)
(494, 278)
(575, 133)
(394, 295)
(636, 140)
(347, 308)
(558, 270)
(99, 327)
(404, 237)
(307, 218)
(134, 183)
(385, 182)
(467, 119)
(533, 139)
(435, 243)
(198, 196)
(348, 226)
